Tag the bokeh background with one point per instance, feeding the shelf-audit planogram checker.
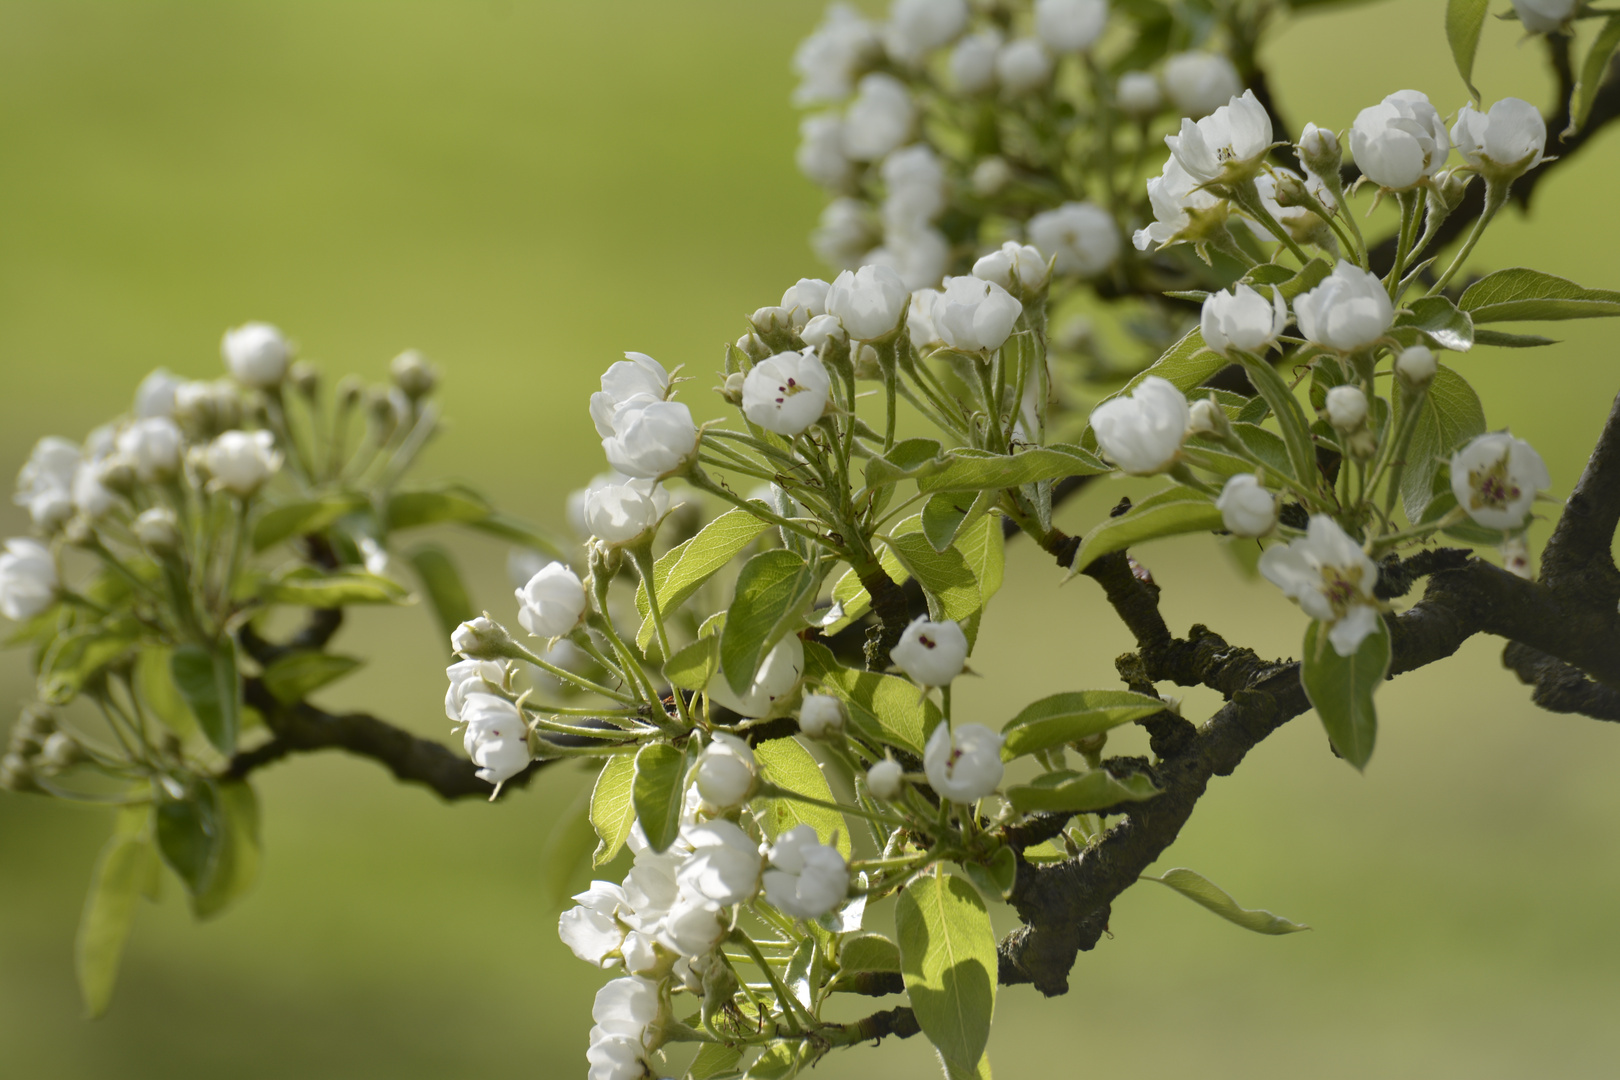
(525, 189)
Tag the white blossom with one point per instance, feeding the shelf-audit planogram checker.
(153, 446)
(1328, 575)
(885, 779)
(1229, 141)
(480, 638)
(1417, 365)
(869, 301)
(628, 1005)
(1243, 319)
(778, 674)
(1349, 310)
(497, 737)
(256, 354)
(915, 179)
(692, 927)
(990, 175)
(1247, 508)
(725, 771)
(965, 765)
(974, 315)
(1503, 143)
(28, 580)
(1544, 16)
(1015, 267)
(829, 59)
(1203, 417)
(552, 602)
(918, 255)
(1346, 408)
(804, 300)
(651, 439)
(638, 377)
(45, 482)
(821, 716)
(1495, 479)
(786, 393)
(155, 395)
(973, 62)
(614, 1056)
(620, 513)
(920, 319)
(1400, 142)
(1142, 432)
(918, 27)
(1070, 26)
(1199, 83)
(1137, 94)
(1319, 151)
(844, 233)
(90, 495)
(1022, 67)
(592, 929)
(724, 866)
(471, 677)
(241, 461)
(1081, 238)
(158, 530)
(1173, 194)
(879, 119)
(816, 334)
(931, 653)
(820, 155)
(807, 878)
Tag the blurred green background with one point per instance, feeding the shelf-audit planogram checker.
(523, 190)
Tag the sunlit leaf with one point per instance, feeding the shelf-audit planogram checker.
(948, 958)
(1201, 890)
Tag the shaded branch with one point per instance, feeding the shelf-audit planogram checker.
(1578, 561)
(1559, 688)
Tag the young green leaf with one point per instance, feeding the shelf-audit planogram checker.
(124, 872)
(997, 878)
(868, 952)
(1080, 793)
(154, 682)
(1520, 293)
(948, 959)
(190, 834)
(207, 680)
(303, 518)
(1439, 321)
(945, 512)
(613, 808)
(295, 676)
(1452, 415)
(714, 1059)
(435, 506)
(452, 604)
(1290, 417)
(1201, 890)
(1341, 689)
(658, 792)
(683, 569)
(1063, 718)
(236, 865)
(881, 708)
(692, 667)
(1170, 512)
(774, 590)
(309, 587)
(906, 460)
(788, 765)
(785, 1059)
(1593, 68)
(967, 469)
(947, 581)
(1464, 20)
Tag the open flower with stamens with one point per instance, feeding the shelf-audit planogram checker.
(1327, 574)
(1228, 145)
(1496, 478)
(787, 392)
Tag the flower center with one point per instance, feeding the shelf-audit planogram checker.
(1341, 586)
(925, 641)
(1492, 487)
(789, 390)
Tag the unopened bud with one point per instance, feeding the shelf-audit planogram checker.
(117, 474)
(158, 530)
(34, 725)
(1416, 366)
(384, 420)
(482, 639)
(1290, 190)
(1449, 188)
(885, 779)
(1362, 445)
(78, 532)
(732, 390)
(413, 374)
(771, 321)
(305, 378)
(1319, 151)
(60, 751)
(1202, 418)
(990, 176)
(753, 347)
(350, 391)
(1091, 745)
(1346, 409)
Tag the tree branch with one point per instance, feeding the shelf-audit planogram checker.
(1558, 687)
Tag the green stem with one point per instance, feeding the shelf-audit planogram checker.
(1495, 196)
(568, 676)
(771, 791)
(1403, 248)
(641, 555)
(791, 1006)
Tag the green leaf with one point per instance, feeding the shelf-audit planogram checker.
(1593, 69)
(207, 680)
(881, 707)
(944, 513)
(435, 506)
(1169, 512)
(1079, 792)
(984, 549)
(683, 569)
(997, 878)
(946, 578)
(295, 676)
(236, 866)
(714, 1059)
(309, 587)
(805, 972)
(868, 952)
(567, 850)
(1196, 887)
(1290, 417)
(1064, 718)
(1309, 277)
(516, 532)
(787, 764)
(948, 958)
(1452, 415)
(1185, 364)
(154, 682)
(907, 459)
(691, 668)
(1437, 319)
(850, 598)
(613, 808)
(658, 792)
(124, 872)
(1511, 341)
(190, 833)
(784, 1059)
(1520, 293)
(1464, 20)
(967, 469)
(80, 656)
(774, 591)
(1266, 445)
(1341, 688)
(452, 604)
(303, 518)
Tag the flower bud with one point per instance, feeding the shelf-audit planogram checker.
(880, 119)
(989, 176)
(620, 514)
(1416, 366)
(1142, 432)
(1204, 418)
(753, 346)
(808, 878)
(60, 751)
(497, 737)
(977, 316)
(153, 447)
(1247, 509)
(155, 395)
(241, 462)
(1138, 95)
(870, 302)
(28, 579)
(885, 779)
(1346, 409)
(821, 716)
(931, 653)
(1544, 16)
(651, 439)
(725, 772)
(771, 322)
(1348, 311)
(1243, 320)
(1081, 238)
(1070, 26)
(1319, 151)
(963, 766)
(350, 392)
(481, 639)
(1449, 187)
(804, 300)
(1199, 83)
(552, 602)
(305, 379)
(207, 408)
(732, 391)
(158, 530)
(413, 374)
(724, 866)
(257, 355)
(1023, 66)
(1503, 143)
(1401, 142)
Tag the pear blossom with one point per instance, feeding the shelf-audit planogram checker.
(918, 27)
(617, 514)
(615, 1056)
(725, 771)
(90, 495)
(931, 653)
(1175, 196)
(920, 319)
(829, 59)
(1203, 417)
(1328, 575)
(153, 447)
(821, 716)
(1070, 26)
(869, 302)
(965, 765)
(1349, 310)
(158, 530)
(1142, 432)
(1346, 408)
(989, 176)
(45, 482)
(1400, 142)
(843, 233)
(1319, 151)
(1247, 508)
(578, 498)
(974, 315)
(241, 461)
(552, 602)
(1417, 366)
(804, 300)
(778, 674)
(651, 439)
(1544, 16)
(629, 1004)
(816, 334)
(918, 255)
(1495, 479)
(1198, 83)
(1022, 67)
(638, 377)
(1228, 143)
(880, 118)
(28, 580)
(1503, 143)
(1015, 267)
(497, 737)
(1242, 319)
(807, 878)
(256, 354)
(1138, 94)
(592, 929)
(724, 866)
(973, 62)
(155, 395)
(471, 677)
(1081, 238)
(820, 155)
(916, 182)
(885, 779)
(786, 393)
(691, 927)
